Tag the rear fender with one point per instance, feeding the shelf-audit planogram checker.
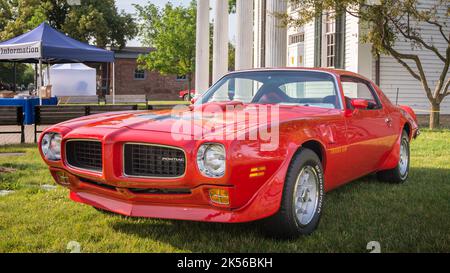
(411, 119)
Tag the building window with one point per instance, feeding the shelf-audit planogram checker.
(139, 74)
(330, 39)
(181, 78)
(296, 38)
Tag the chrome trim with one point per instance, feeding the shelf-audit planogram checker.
(40, 146)
(226, 162)
(154, 145)
(81, 139)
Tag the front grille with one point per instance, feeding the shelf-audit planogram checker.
(95, 183)
(161, 191)
(142, 160)
(84, 154)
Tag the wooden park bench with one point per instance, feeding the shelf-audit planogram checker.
(79, 100)
(111, 108)
(164, 107)
(50, 115)
(124, 99)
(13, 115)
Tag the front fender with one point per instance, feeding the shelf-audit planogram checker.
(392, 159)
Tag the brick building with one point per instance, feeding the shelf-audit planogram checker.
(132, 80)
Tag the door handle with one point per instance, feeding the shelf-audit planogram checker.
(388, 121)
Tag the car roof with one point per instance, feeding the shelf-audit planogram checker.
(336, 72)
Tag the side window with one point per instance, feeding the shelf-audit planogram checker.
(358, 89)
(312, 93)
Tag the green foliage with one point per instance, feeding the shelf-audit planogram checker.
(25, 73)
(232, 6)
(171, 31)
(231, 57)
(94, 20)
(100, 20)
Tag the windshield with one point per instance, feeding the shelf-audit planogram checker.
(307, 88)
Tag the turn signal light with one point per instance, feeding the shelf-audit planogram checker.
(257, 172)
(62, 178)
(219, 196)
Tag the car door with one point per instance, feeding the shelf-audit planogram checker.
(369, 131)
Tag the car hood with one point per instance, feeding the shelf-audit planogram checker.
(192, 120)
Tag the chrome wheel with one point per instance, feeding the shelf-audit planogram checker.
(306, 195)
(404, 158)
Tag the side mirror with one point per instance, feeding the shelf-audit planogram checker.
(193, 100)
(360, 103)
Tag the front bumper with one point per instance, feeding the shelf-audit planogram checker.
(194, 206)
(136, 209)
(113, 191)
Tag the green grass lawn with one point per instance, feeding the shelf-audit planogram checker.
(414, 217)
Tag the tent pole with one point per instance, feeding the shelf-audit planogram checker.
(114, 82)
(35, 77)
(107, 79)
(41, 81)
(15, 77)
(48, 73)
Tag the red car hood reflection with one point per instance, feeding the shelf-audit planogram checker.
(197, 119)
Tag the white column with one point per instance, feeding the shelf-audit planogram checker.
(202, 48)
(244, 33)
(257, 33)
(220, 40)
(276, 33)
(244, 47)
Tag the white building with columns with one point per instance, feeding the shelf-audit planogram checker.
(329, 41)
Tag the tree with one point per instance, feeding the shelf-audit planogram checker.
(391, 21)
(5, 13)
(171, 31)
(24, 73)
(94, 20)
(100, 20)
(232, 6)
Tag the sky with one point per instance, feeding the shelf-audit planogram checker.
(127, 5)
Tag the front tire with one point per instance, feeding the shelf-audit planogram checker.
(301, 205)
(400, 173)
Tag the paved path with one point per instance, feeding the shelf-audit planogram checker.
(15, 138)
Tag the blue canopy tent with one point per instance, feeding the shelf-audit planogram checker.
(45, 44)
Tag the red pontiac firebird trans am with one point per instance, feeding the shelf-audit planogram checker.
(260, 144)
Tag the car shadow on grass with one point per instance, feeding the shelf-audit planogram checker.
(250, 237)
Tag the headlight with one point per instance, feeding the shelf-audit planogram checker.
(51, 146)
(211, 160)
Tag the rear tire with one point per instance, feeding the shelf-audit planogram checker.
(400, 173)
(301, 205)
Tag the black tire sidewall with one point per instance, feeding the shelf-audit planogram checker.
(304, 158)
(405, 177)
